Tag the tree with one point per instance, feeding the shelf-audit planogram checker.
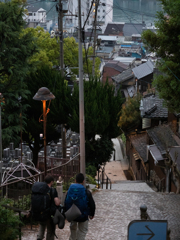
(59, 108)
(15, 51)
(101, 118)
(166, 43)
(48, 48)
(130, 114)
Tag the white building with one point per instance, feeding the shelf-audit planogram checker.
(104, 13)
(35, 14)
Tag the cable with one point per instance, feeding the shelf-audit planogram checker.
(45, 15)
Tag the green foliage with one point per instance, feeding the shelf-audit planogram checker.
(90, 179)
(123, 137)
(23, 203)
(48, 48)
(130, 114)
(59, 108)
(66, 185)
(91, 170)
(15, 51)
(166, 43)
(9, 222)
(101, 109)
(101, 118)
(98, 151)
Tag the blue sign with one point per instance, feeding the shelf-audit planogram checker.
(147, 230)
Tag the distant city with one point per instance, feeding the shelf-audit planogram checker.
(134, 11)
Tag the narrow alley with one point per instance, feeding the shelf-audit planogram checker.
(117, 207)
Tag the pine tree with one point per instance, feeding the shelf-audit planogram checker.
(15, 50)
(166, 43)
(101, 117)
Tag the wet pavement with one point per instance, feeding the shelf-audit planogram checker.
(116, 208)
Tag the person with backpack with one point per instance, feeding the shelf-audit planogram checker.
(44, 200)
(82, 198)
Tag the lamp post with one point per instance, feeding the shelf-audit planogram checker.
(43, 94)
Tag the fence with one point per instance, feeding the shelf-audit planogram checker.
(19, 188)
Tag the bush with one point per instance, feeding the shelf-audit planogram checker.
(90, 179)
(9, 221)
(91, 170)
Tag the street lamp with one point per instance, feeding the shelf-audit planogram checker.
(43, 94)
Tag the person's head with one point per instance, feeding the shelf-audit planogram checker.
(49, 179)
(80, 178)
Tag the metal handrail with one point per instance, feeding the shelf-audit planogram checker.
(107, 180)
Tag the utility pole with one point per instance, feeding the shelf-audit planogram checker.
(60, 22)
(95, 39)
(61, 61)
(0, 141)
(81, 95)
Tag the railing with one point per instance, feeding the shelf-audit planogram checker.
(103, 178)
(22, 187)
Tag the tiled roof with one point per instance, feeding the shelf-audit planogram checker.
(139, 142)
(114, 28)
(162, 136)
(153, 107)
(116, 65)
(143, 69)
(133, 28)
(125, 75)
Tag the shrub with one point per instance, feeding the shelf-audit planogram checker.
(9, 221)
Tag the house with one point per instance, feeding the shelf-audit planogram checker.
(133, 28)
(125, 80)
(153, 111)
(163, 147)
(108, 41)
(144, 75)
(111, 68)
(136, 150)
(36, 14)
(114, 29)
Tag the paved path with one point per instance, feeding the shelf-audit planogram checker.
(116, 208)
(114, 171)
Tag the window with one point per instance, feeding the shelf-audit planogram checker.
(30, 14)
(103, 10)
(34, 14)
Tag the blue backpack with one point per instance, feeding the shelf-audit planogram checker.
(77, 195)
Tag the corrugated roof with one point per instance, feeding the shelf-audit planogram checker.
(143, 69)
(156, 154)
(107, 38)
(162, 136)
(139, 142)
